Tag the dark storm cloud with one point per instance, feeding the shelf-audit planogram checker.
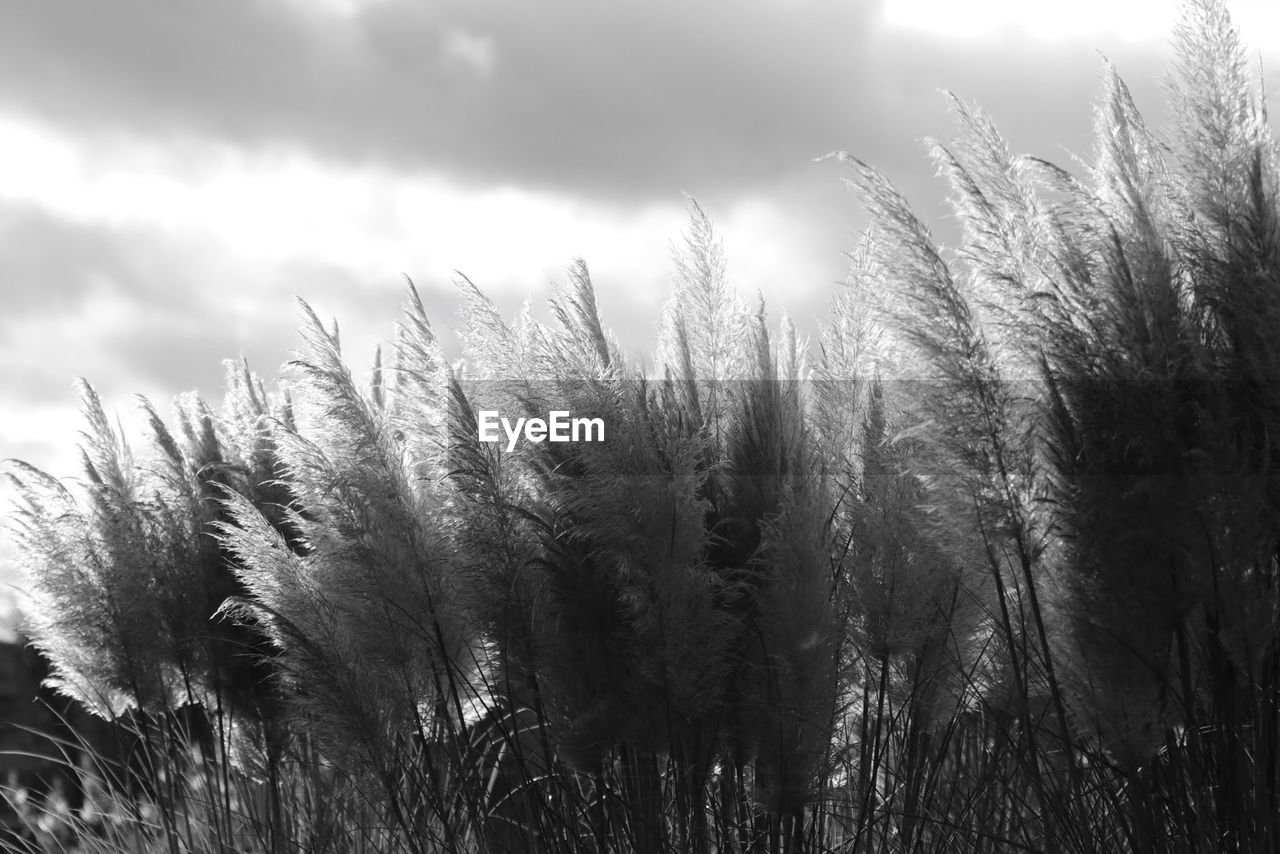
(625, 100)
(137, 308)
(47, 263)
(187, 352)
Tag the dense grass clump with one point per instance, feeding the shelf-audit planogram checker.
(991, 567)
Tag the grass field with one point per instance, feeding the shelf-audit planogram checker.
(990, 566)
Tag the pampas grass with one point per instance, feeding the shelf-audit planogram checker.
(989, 567)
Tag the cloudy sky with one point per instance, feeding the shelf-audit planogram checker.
(174, 172)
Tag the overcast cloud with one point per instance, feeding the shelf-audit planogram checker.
(174, 172)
